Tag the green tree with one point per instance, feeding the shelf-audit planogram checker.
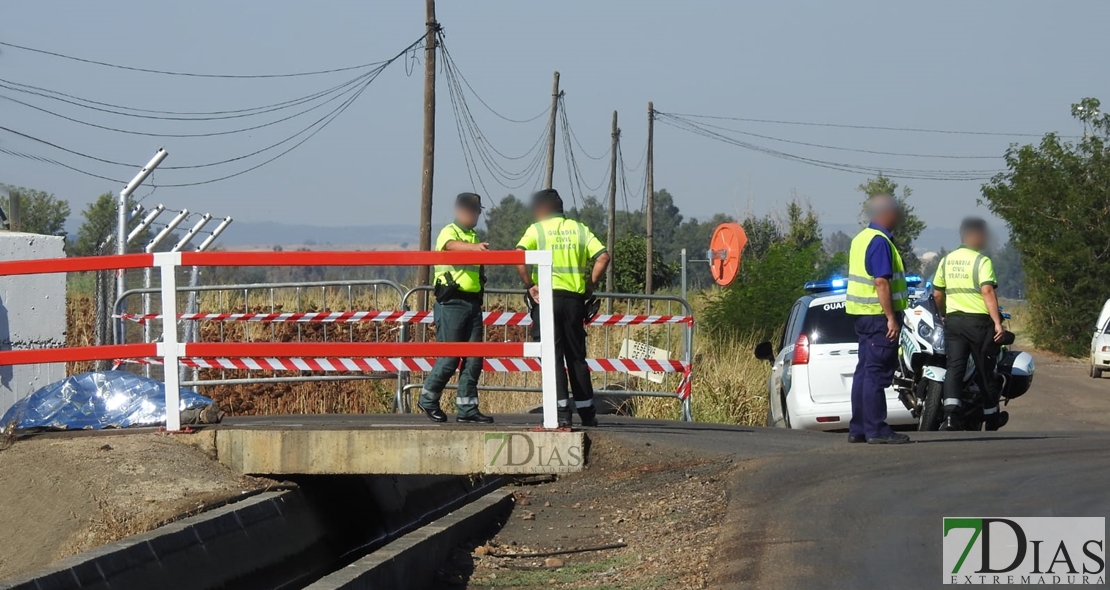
(762, 232)
(838, 242)
(1009, 271)
(629, 260)
(593, 214)
(100, 222)
(1053, 197)
(506, 222)
(40, 212)
(910, 226)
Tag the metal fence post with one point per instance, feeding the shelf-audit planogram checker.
(170, 349)
(542, 260)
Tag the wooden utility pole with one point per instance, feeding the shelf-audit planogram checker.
(611, 238)
(551, 132)
(429, 136)
(650, 213)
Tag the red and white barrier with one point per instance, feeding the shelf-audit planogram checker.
(396, 364)
(489, 318)
(171, 351)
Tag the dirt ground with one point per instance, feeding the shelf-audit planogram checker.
(658, 511)
(67, 494)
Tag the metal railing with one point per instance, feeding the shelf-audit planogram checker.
(602, 341)
(272, 298)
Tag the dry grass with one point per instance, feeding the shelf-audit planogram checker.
(729, 385)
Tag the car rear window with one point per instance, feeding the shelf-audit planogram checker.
(827, 323)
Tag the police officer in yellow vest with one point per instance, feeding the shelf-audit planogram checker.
(964, 293)
(458, 316)
(877, 296)
(578, 262)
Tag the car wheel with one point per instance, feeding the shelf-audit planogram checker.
(1096, 373)
(785, 411)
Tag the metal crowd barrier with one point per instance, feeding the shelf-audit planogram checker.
(269, 298)
(603, 341)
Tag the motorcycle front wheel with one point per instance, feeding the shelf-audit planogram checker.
(932, 409)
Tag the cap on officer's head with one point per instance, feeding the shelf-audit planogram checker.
(470, 201)
(549, 199)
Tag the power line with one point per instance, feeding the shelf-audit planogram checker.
(178, 135)
(456, 72)
(570, 131)
(315, 128)
(174, 115)
(189, 74)
(867, 127)
(27, 156)
(902, 173)
(829, 147)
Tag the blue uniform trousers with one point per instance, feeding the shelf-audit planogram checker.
(878, 357)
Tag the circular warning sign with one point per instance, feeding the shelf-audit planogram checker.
(725, 247)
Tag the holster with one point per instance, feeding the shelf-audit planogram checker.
(445, 293)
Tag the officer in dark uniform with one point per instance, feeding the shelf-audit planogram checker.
(458, 316)
(578, 261)
(964, 292)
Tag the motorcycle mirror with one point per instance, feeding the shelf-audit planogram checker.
(765, 352)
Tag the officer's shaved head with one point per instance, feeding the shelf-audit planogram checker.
(883, 210)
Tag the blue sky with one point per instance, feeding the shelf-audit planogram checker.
(990, 65)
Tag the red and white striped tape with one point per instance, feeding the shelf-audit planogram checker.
(489, 318)
(393, 364)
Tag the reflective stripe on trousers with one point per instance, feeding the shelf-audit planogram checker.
(466, 401)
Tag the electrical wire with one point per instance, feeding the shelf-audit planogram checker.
(830, 147)
(188, 74)
(27, 156)
(865, 127)
(478, 150)
(570, 131)
(449, 61)
(901, 173)
(311, 131)
(194, 166)
(175, 115)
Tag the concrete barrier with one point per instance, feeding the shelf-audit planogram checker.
(398, 450)
(32, 315)
(404, 562)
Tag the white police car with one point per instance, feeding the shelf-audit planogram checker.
(813, 363)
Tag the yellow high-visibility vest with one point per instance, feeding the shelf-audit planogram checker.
(467, 277)
(961, 275)
(863, 297)
(573, 247)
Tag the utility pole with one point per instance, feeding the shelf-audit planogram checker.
(611, 239)
(429, 135)
(551, 132)
(650, 225)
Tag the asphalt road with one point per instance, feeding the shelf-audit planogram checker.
(808, 510)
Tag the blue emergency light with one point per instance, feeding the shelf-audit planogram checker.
(831, 284)
(839, 284)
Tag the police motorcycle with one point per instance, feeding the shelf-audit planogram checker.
(922, 367)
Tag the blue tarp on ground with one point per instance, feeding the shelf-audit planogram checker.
(101, 399)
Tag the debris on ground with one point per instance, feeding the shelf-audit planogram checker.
(635, 518)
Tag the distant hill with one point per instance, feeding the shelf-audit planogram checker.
(285, 234)
(931, 239)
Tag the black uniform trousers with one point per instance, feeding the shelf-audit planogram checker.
(570, 354)
(971, 335)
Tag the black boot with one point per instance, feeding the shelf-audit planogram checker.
(475, 418)
(997, 420)
(949, 424)
(435, 414)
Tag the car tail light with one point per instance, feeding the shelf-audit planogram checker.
(801, 350)
(827, 419)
